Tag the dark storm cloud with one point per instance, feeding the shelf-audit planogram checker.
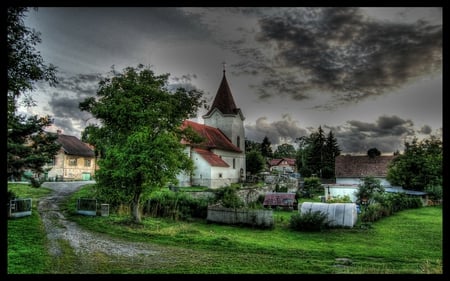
(426, 130)
(387, 134)
(283, 131)
(185, 81)
(82, 85)
(341, 51)
(384, 126)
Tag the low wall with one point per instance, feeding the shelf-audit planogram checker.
(260, 218)
(339, 214)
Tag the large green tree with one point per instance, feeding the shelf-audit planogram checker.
(317, 153)
(285, 150)
(419, 167)
(252, 145)
(139, 133)
(254, 162)
(29, 147)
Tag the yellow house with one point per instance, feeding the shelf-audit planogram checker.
(74, 161)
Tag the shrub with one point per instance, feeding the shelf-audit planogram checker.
(175, 205)
(228, 197)
(309, 221)
(340, 199)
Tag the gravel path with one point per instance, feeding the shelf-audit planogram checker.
(82, 241)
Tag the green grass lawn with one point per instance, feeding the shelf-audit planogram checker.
(408, 242)
(27, 240)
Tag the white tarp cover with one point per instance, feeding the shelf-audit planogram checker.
(339, 214)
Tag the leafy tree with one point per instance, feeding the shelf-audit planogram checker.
(28, 145)
(420, 165)
(285, 150)
(266, 149)
(373, 152)
(312, 184)
(254, 162)
(252, 145)
(140, 133)
(368, 190)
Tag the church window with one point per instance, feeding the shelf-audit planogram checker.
(220, 175)
(234, 163)
(238, 141)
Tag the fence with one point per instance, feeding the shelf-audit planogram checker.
(259, 218)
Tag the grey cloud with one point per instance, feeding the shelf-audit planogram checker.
(340, 51)
(387, 134)
(281, 131)
(426, 130)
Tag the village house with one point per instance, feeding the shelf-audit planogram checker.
(219, 159)
(74, 161)
(350, 171)
(283, 165)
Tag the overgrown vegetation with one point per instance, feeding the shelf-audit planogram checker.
(309, 221)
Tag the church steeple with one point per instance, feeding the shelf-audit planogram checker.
(224, 101)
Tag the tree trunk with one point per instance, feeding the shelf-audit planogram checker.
(135, 213)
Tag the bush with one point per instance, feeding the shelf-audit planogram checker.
(175, 205)
(309, 221)
(340, 199)
(228, 197)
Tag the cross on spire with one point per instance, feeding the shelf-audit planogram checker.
(224, 65)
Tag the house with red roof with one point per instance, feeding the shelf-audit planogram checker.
(284, 165)
(350, 171)
(219, 159)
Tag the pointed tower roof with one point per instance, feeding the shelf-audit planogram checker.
(224, 101)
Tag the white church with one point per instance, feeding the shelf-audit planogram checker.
(220, 159)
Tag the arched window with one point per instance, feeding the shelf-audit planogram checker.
(238, 140)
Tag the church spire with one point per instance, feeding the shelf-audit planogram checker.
(224, 99)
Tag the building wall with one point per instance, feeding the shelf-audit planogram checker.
(357, 181)
(232, 127)
(341, 191)
(63, 167)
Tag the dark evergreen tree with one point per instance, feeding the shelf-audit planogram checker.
(252, 146)
(317, 153)
(266, 149)
(331, 152)
(29, 147)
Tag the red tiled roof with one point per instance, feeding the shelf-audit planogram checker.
(347, 166)
(214, 138)
(73, 146)
(211, 158)
(276, 162)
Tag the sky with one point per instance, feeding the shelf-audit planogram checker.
(372, 76)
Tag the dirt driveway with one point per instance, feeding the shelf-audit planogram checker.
(88, 246)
